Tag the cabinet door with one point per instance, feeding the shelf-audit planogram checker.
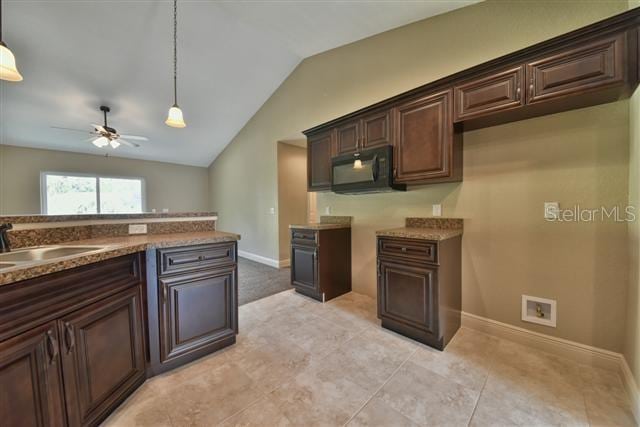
(376, 129)
(408, 295)
(585, 67)
(31, 391)
(319, 161)
(304, 268)
(102, 356)
(197, 311)
(348, 137)
(496, 92)
(424, 139)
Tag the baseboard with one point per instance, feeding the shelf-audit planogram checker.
(285, 263)
(264, 260)
(568, 349)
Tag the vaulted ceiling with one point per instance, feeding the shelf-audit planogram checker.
(76, 55)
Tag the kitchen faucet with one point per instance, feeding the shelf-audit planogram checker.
(4, 238)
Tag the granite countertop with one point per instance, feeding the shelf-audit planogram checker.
(421, 233)
(319, 226)
(110, 247)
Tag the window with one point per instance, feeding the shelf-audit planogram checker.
(65, 194)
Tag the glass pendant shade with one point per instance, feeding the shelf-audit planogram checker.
(8, 69)
(114, 143)
(101, 142)
(175, 119)
(357, 164)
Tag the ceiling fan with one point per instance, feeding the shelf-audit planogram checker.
(103, 135)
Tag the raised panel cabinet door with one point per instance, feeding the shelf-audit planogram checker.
(197, 311)
(589, 66)
(424, 138)
(319, 161)
(31, 390)
(348, 137)
(376, 129)
(408, 295)
(496, 92)
(304, 268)
(102, 356)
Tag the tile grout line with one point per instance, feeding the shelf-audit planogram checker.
(380, 388)
(475, 407)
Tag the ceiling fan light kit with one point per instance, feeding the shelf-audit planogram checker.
(175, 118)
(8, 69)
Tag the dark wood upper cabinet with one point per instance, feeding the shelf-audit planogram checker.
(425, 141)
(589, 66)
(490, 94)
(348, 138)
(376, 130)
(319, 152)
(102, 355)
(31, 381)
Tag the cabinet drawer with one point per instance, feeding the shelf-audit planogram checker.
(589, 66)
(413, 249)
(196, 257)
(304, 237)
(496, 92)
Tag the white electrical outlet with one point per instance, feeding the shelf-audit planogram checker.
(437, 210)
(327, 210)
(538, 310)
(165, 210)
(551, 210)
(272, 211)
(137, 228)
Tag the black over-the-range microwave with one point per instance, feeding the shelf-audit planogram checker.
(369, 171)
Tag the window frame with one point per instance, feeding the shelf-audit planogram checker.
(43, 189)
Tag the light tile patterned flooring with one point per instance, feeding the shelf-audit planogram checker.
(299, 362)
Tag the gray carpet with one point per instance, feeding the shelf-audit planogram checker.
(257, 280)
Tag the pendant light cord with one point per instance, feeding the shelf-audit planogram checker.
(0, 21)
(175, 52)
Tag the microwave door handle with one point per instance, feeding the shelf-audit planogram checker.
(375, 167)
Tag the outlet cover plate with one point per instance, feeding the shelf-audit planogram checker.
(137, 228)
(436, 210)
(548, 306)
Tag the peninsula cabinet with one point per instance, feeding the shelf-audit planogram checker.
(319, 153)
(71, 344)
(193, 303)
(592, 65)
(426, 150)
(419, 288)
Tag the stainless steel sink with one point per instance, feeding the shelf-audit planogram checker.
(43, 253)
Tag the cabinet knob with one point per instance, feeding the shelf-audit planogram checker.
(69, 337)
(403, 249)
(52, 346)
(531, 91)
(518, 94)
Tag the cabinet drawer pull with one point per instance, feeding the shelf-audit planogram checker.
(531, 91)
(52, 346)
(69, 338)
(518, 94)
(403, 249)
(164, 293)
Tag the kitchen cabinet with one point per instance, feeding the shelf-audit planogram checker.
(71, 346)
(319, 153)
(419, 288)
(426, 149)
(490, 94)
(377, 129)
(193, 303)
(31, 378)
(321, 262)
(348, 137)
(585, 67)
(102, 355)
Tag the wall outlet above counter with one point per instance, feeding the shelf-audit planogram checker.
(137, 228)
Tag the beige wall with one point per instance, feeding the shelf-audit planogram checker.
(176, 187)
(574, 157)
(632, 338)
(292, 192)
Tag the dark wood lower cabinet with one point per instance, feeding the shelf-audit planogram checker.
(31, 391)
(102, 356)
(321, 262)
(84, 351)
(193, 311)
(419, 291)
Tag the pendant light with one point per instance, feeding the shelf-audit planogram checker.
(175, 119)
(8, 69)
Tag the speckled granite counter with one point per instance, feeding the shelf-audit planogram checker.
(426, 229)
(319, 226)
(109, 247)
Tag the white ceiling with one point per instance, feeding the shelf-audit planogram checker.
(76, 55)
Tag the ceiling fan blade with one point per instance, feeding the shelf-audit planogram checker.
(135, 138)
(71, 129)
(99, 128)
(130, 144)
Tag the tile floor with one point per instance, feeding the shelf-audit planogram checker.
(302, 363)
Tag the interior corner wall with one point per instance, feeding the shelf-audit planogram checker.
(292, 193)
(577, 157)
